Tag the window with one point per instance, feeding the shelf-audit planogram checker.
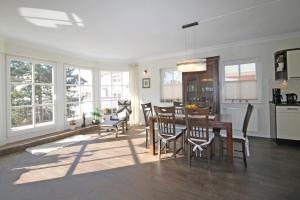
(114, 87)
(240, 82)
(31, 93)
(171, 85)
(79, 92)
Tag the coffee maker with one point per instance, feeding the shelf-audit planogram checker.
(277, 97)
(291, 98)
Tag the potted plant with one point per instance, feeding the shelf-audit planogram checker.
(96, 116)
(107, 111)
(72, 124)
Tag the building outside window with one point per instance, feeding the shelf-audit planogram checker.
(240, 81)
(171, 85)
(31, 86)
(114, 87)
(79, 91)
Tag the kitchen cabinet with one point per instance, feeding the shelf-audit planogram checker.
(202, 88)
(287, 64)
(293, 63)
(287, 122)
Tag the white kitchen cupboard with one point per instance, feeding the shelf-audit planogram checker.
(288, 122)
(293, 63)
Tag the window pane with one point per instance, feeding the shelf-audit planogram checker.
(167, 77)
(105, 91)
(21, 95)
(125, 80)
(117, 92)
(43, 94)
(43, 73)
(72, 75)
(21, 116)
(73, 110)
(248, 90)
(43, 114)
(125, 93)
(86, 93)
(87, 108)
(232, 90)
(248, 71)
(177, 77)
(72, 93)
(231, 73)
(171, 85)
(105, 78)
(116, 78)
(86, 77)
(21, 71)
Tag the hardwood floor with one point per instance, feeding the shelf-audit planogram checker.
(109, 168)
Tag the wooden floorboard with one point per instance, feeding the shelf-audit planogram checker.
(109, 168)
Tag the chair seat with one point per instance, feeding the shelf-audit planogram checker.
(238, 135)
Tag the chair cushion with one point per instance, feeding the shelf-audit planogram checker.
(210, 136)
(235, 134)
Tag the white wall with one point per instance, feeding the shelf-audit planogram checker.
(13, 48)
(262, 50)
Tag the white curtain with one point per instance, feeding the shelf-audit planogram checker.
(134, 93)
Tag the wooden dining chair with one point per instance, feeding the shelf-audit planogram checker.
(167, 131)
(179, 109)
(147, 111)
(199, 136)
(240, 137)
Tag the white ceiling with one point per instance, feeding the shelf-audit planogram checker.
(134, 29)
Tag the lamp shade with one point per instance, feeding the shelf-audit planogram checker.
(193, 65)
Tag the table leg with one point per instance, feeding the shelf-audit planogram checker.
(229, 145)
(152, 136)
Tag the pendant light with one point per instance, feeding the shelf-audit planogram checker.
(191, 65)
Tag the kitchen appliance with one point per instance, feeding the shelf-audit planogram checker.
(277, 97)
(291, 98)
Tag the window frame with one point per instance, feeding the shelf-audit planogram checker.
(161, 84)
(14, 131)
(65, 66)
(239, 62)
(111, 86)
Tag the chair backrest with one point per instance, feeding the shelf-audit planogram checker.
(165, 120)
(147, 111)
(122, 105)
(179, 109)
(197, 123)
(247, 119)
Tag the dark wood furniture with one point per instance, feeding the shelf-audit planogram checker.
(202, 88)
(179, 108)
(215, 123)
(147, 111)
(199, 136)
(241, 137)
(167, 131)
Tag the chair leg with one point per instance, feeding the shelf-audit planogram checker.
(244, 155)
(159, 149)
(189, 153)
(146, 138)
(175, 149)
(208, 151)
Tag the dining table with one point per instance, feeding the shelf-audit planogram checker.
(216, 122)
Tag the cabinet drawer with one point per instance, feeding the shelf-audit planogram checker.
(289, 109)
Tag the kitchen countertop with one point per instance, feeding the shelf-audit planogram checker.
(285, 104)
